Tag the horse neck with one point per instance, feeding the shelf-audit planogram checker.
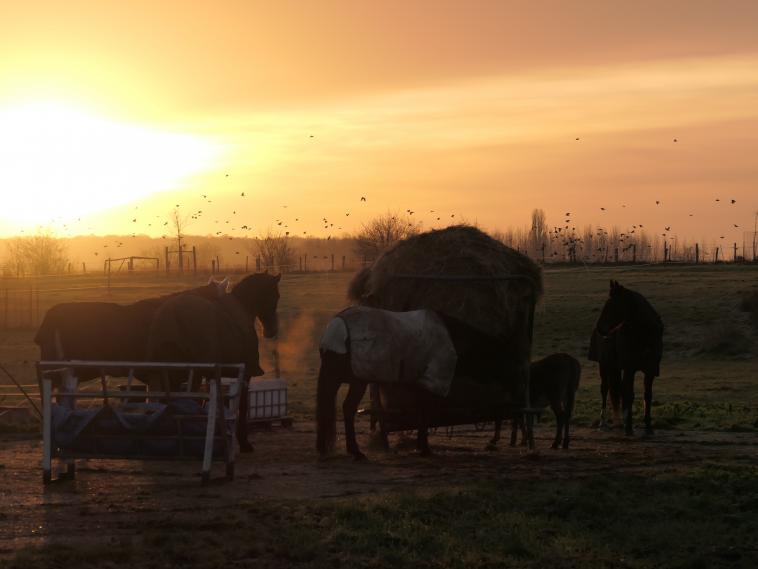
(248, 301)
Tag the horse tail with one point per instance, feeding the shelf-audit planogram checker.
(326, 412)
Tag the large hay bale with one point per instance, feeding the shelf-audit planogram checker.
(459, 271)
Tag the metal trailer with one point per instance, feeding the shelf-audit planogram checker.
(59, 387)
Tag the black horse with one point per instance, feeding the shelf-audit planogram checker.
(627, 338)
(191, 328)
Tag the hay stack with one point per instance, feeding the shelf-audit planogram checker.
(488, 284)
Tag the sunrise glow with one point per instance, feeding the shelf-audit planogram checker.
(61, 162)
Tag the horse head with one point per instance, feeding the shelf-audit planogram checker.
(615, 310)
(259, 294)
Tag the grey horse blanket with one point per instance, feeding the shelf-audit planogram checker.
(389, 347)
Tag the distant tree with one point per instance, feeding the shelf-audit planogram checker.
(40, 254)
(383, 231)
(275, 250)
(179, 225)
(538, 234)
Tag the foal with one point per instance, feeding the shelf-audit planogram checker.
(552, 381)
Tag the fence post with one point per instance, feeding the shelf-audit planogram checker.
(735, 253)
(84, 267)
(343, 262)
(634, 252)
(194, 260)
(716, 258)
(697, 253)
(167, 262)
(258, 264)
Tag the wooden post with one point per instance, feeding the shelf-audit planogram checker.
(543, 252)
(218, 264)
(258, 264)
(716, 257)
(300, 263)
(734, 258)
(247, 270)
(634, 252)
(194, 260)
(305, 263)
(181, 257)
(616, 255)
(167, 261)
(213, 266)
(697, 253)
(84, 268)
(343, 262)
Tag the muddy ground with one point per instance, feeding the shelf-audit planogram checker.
(113, 500)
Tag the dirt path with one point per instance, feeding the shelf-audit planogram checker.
(109, 498)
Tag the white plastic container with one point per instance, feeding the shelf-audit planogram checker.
(268, 399)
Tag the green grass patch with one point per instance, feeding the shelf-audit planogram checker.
(704, 518)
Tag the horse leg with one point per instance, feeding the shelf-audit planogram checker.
(422, 440)
(559, 419)
(568, 412)
(616, 393)
(492, 445)
(349, 408)
(244, 443)
(627, 400)
(604, 386)
(648, 402)
(515, 424)
(326, 392)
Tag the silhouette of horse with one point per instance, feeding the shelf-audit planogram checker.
(191, 328)
(105, 330)
(417, 357)
(627, 338)
(552, 381)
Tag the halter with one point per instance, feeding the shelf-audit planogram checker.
(612, 331)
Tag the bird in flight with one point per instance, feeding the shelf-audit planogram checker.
(363, 199)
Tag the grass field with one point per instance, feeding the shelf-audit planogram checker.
(686, 498)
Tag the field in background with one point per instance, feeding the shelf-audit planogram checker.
(708, 373)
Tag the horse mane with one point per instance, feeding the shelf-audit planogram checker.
(643, 313)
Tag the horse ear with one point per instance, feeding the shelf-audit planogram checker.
(278, 277)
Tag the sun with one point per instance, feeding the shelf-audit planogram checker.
(58, 161)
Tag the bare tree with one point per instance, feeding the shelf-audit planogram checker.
(275, 250)
(382, 232)
(40, 254)
(179, 224)
(538, 234)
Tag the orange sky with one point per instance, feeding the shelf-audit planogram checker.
(116, 111)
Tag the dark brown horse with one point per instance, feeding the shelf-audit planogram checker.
(105, 330)
(190, 328)
(552, 381)
(627, 338)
